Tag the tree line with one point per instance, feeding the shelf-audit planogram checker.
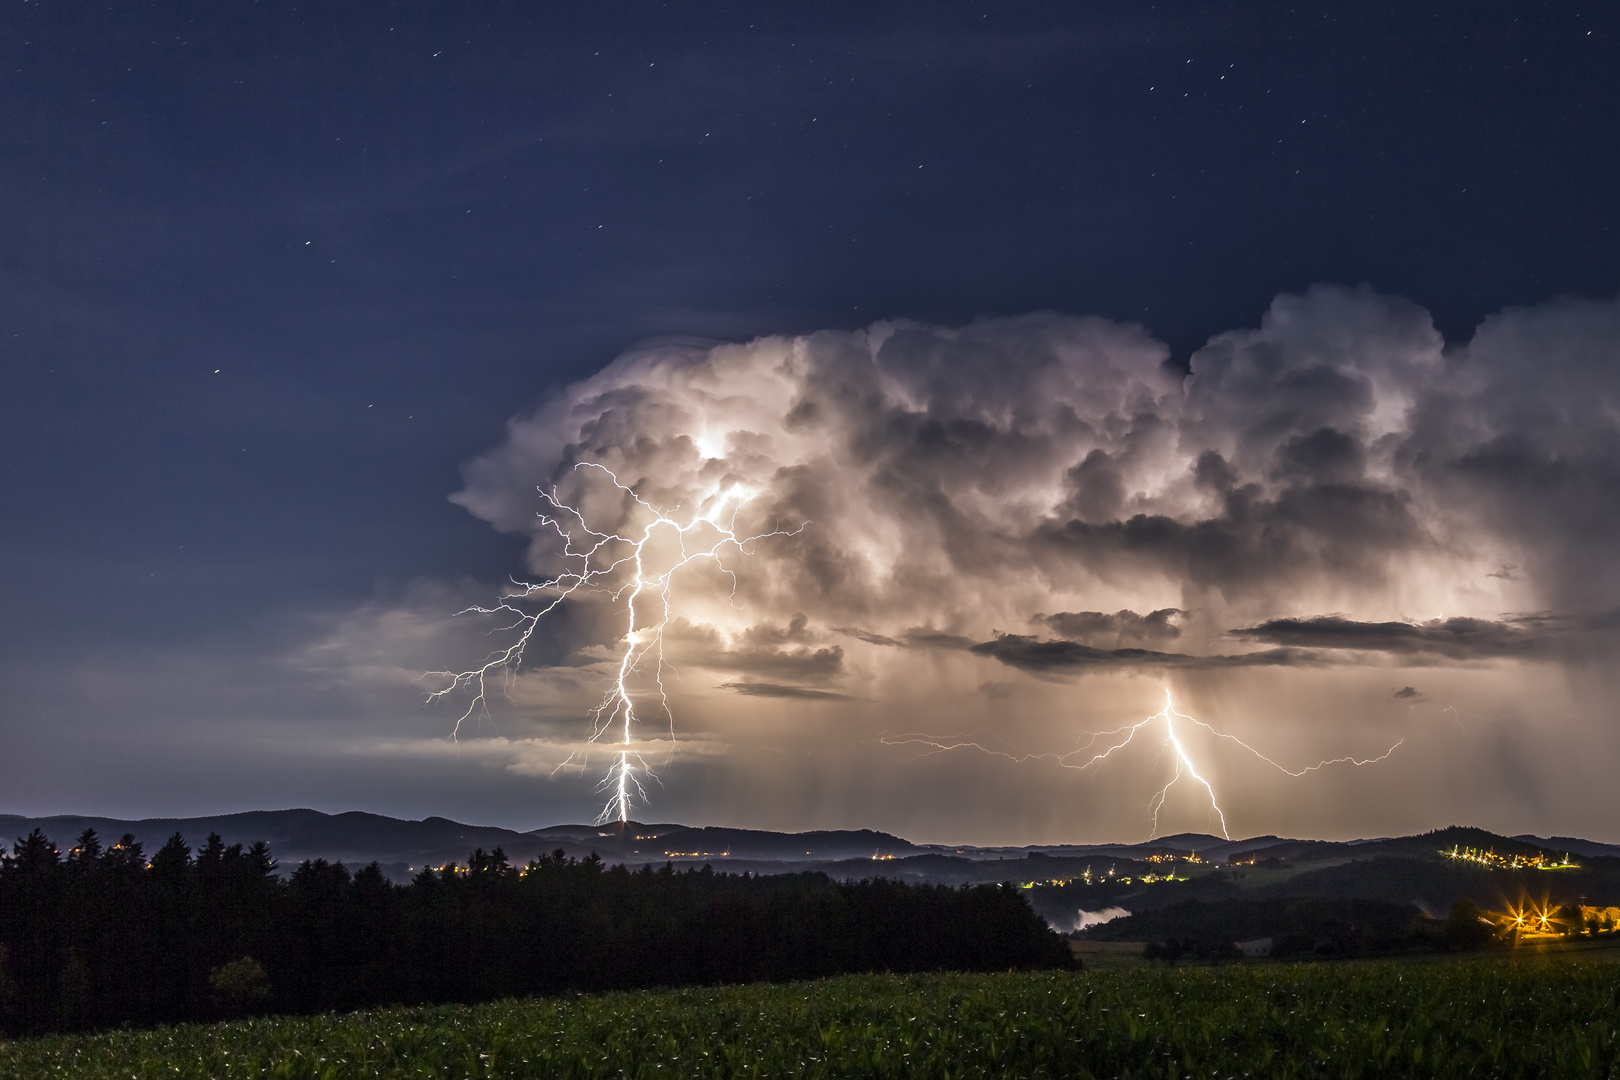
(103, 935)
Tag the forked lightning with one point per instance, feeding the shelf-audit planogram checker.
(596, 560)
(1172, 742)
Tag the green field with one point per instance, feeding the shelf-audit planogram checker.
(1527, 1017)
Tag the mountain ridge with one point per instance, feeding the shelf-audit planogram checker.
(403, 847)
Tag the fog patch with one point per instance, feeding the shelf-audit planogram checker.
(1084, 919)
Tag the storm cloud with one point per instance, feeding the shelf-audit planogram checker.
(1037, 503)
(943, 486)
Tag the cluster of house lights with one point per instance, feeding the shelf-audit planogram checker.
(1509, 862)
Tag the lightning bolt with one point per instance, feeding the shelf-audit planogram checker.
(594, 559)
(1121, 737)
(1183, 763)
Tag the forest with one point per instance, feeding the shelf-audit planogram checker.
(103, 935)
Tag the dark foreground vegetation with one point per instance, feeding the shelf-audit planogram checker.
(104, 936)
(1297, 928)
(1451, 1018)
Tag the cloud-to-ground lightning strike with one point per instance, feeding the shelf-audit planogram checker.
(600, 556)
(1172, 742)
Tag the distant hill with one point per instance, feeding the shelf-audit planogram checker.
(402, 847)
(1409, 871)
(1572, 845)
(1063, 878)
(637, 842)
(354, 838)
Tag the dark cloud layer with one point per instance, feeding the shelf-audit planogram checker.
(1118, 628)
(1071, 657)
(776, 690)
(1455, 638)
(1317, 641)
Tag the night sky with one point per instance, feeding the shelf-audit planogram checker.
(1265, 357)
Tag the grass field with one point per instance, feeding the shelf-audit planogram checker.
(1528, 1017)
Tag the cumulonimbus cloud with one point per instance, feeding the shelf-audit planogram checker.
(943, 489)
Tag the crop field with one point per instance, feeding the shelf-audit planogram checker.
(1477, 1018)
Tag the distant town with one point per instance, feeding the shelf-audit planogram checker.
(1510, 862)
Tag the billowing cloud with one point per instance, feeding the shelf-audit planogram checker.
(952, 522)
(945, 486)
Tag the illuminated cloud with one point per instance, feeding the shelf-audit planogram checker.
(956, 483)
(1030, 500)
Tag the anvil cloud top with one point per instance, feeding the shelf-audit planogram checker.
(1073, 356)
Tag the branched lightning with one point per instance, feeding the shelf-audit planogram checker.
(595, 559)
(1117, 739)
